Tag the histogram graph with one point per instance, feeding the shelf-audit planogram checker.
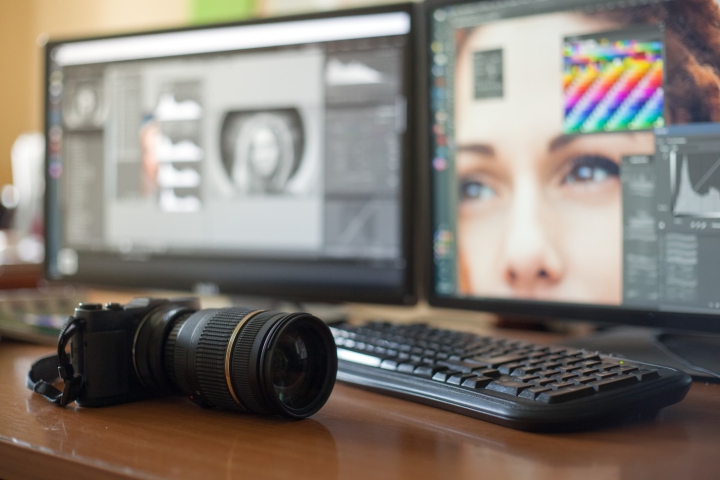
(696, 182)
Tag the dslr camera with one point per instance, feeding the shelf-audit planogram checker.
(237, 358)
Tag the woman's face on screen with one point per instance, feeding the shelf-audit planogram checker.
(540, 214)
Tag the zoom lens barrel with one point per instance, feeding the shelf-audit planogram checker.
(239, 359)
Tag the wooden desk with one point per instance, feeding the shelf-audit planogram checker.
(358, 434)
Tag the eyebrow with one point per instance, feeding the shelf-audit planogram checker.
(561, 141)
(479, 148)
(488, 150)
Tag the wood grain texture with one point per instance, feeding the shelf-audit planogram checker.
(358, 434)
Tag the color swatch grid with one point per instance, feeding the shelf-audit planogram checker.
(612, 86)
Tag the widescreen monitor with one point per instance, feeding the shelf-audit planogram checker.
(575, 159)
(265, 158)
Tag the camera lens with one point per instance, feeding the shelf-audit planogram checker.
(239, 359)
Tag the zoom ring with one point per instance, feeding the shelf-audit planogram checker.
(210, 358)
(242, 351)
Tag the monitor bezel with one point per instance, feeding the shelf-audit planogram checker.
(670, 320)
(405, 294)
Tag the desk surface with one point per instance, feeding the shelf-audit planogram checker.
(358, 434)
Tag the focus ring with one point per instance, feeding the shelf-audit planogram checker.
(210, 357)
(176, 370)
(241, 362)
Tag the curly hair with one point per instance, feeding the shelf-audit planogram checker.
(692, 56)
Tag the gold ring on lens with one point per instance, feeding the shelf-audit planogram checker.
(228, 353)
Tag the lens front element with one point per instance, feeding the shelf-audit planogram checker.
(299, 364)
(289, 367)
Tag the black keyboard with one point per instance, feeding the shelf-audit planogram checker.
(512, 383)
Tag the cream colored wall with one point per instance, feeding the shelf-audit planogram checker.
(21, 59)
(16, 90)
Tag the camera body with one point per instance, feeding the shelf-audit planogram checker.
(104, 352)
(237, 358)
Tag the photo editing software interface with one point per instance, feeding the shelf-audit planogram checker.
(576, 152)
(278, 141)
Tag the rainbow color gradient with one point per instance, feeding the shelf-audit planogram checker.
(612, 86)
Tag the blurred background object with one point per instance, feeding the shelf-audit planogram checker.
(26, 193)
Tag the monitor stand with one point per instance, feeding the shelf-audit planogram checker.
(697, 355)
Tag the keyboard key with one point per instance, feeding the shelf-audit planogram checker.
(550, 365)
(495, 362)
(565, 394)
(583, 380)
(525, 371)
(389, 364)
(509, 368)
(613, 383)
(644, 375)
(464, 367)
(570, 368)
(604, 375)
(477, 382)
(511, 387)
(558, 350)
(487, 372)
(408, 367)
(459, 378)
(427, 371)
(625, 370)
(359, 357)
(443, 376)
(559, 385)
(566, 376)
(526, 378)
(532, 393)
(545, 381)
(587, 371)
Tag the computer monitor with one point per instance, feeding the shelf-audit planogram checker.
(263, 158)
(575, 159)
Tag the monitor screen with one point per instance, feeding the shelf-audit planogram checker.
(266, 158)
(576, 155)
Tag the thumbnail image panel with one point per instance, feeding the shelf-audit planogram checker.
(84, 105)
(219, 152)
(263, 149)
(613, 82)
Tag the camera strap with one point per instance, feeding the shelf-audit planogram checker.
(46, 370)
